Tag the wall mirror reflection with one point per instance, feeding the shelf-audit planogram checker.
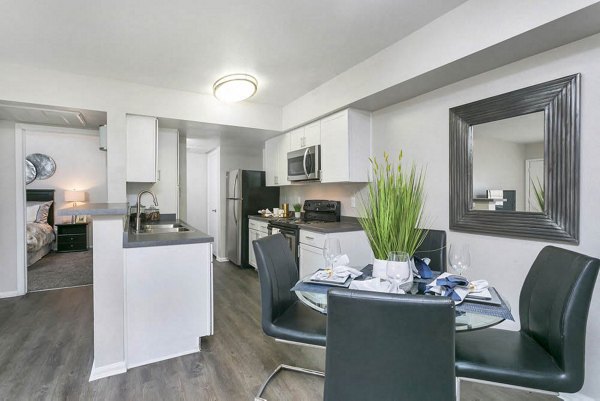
(508, 164)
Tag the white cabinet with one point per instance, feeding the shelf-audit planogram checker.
(169, 301)
(166, 188)
(256, 230)
(275, 160)
(346, 146)
(142, 136)
(308, 135)
(353, 243)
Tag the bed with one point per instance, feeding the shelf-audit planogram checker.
(40, 228)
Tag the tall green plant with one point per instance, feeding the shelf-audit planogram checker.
(393, 211)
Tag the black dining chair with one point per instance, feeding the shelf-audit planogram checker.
(548, 353)
(284, 317)
(389, 347)
(434, 248)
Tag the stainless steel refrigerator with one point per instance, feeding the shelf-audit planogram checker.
(246, 195)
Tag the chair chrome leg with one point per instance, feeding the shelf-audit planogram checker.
(457, 389)
(285, 367)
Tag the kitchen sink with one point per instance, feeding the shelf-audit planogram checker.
(164, 228)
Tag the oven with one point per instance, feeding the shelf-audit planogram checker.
(292, 236)
(304, 164)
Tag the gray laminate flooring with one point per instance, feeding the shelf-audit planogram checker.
(60, 270)
(46, 352)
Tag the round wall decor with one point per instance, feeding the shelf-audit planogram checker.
(44, 165)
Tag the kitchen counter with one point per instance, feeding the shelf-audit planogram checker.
(347, 224)
(133, 240)
(260, 218)
(328, 228)
(95, 209)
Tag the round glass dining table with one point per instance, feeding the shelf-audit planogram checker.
(465, 321)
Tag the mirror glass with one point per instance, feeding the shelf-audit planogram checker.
(508, 164)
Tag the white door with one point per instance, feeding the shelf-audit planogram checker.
(534, 180)
(214, 191)
(311, 260)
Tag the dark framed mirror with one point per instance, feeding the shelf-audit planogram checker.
(514, 163)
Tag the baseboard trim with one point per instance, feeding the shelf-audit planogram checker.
(164, 358)
(10, 294)
(107, 370)
(220, 259)
(574, 397)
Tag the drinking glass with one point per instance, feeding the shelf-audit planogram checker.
(397, 268)
(459, 258)
(331, 251)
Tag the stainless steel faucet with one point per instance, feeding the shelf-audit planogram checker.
(137, 216)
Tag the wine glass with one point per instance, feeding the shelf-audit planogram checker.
(397, 269)
(459, 258)
(331, 251)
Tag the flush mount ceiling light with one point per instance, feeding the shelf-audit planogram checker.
(235, 87)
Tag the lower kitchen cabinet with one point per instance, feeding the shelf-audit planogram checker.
(256, 230)
(353, 243)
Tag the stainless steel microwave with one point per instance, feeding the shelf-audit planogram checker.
(304, 164)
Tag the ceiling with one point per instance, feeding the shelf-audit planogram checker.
(203, 137)
(51, 115)
(290, 46)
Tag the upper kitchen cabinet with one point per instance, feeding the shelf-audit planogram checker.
(142, 137)
(166, 188)
(308, 135)
(346, 146)
(276, 150)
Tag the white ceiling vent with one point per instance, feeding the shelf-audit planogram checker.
(38, 115)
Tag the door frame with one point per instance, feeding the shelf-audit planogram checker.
(214, 187)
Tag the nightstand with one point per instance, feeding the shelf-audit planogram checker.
(71, 237)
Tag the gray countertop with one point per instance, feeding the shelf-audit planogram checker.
(346, 224)
(133, 240)
(95, 209)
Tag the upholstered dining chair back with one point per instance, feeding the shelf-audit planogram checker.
(434, 248)
(389, 347)
(554, 304)
(277, 273)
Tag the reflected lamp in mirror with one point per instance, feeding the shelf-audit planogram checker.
(514, 163)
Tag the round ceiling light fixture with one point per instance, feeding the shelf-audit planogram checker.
(235, 87)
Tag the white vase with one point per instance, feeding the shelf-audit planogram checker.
(380, 268)
(297, 214)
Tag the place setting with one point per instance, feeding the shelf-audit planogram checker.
(404, 275)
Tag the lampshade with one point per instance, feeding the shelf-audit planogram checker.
(74, 196)
(235, 88)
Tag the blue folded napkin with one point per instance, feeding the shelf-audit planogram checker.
(449, 285)
(422, 268)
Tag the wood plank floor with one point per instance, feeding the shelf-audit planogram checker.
(46, 346)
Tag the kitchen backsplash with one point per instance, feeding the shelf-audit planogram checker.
(342, 192)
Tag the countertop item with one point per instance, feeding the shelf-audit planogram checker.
(346, 224)
(95, 209)
(133, 240)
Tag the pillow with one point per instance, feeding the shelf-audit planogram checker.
(42, 214)
(32, 210)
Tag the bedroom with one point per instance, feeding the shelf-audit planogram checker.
(64, 166)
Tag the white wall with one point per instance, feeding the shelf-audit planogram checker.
(80, 164)
(420, 127)
(196, 197)
(8, 237)
(341, 192)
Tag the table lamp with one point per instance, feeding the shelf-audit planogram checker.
(74, 196)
